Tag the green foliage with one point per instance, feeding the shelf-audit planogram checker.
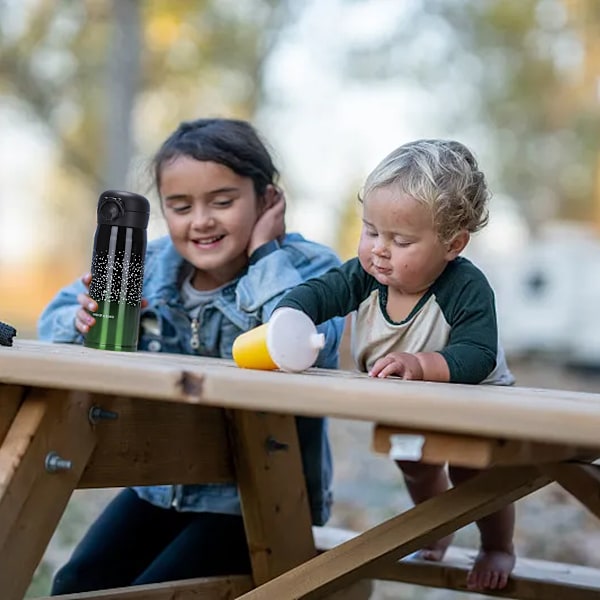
(513, 75)
(107, 80)
(197, 58)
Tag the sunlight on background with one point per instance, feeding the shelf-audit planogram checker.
(333, 85)
(89, 90)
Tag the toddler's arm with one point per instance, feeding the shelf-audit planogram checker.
(283, 269)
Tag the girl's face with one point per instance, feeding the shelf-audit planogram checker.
(399, 245)
(210, 212)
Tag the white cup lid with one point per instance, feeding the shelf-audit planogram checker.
(292, 340)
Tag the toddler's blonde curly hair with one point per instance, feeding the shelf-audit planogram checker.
(442, 174)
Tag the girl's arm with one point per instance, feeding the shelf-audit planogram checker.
(57, 321)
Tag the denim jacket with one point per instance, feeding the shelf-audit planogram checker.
(241, 305)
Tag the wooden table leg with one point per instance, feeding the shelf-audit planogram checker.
(484, 494)
(32, 496)
(272, 491)
(580, 480)
(11, 397)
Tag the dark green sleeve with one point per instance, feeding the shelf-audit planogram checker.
(334, 294)
(467, 301)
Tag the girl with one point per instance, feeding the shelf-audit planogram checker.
(225, 264)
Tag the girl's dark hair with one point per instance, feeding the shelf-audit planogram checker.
(229, 142)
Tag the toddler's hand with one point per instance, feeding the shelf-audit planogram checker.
(271, 224)
(83, 318)
(402, 364)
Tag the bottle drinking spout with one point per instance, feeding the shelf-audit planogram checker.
(317, 341)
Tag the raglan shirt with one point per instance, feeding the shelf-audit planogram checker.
(455, 317)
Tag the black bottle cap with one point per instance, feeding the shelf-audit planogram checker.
(125, 209)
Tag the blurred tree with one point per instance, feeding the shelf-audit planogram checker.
(349, 225)
(511, 75)
(105, 77)
(123, 74)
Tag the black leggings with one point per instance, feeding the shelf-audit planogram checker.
(134, 542)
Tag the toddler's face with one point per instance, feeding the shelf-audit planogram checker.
(399, 245)
(210, 212)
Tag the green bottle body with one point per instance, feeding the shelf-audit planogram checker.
(116, 286)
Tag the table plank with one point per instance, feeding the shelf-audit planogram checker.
(552, 416)
(153, 443)
(467, 450)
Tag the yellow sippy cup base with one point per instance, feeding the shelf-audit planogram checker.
(250, 350)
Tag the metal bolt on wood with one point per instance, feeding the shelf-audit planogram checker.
(97, 413)
(55, 463)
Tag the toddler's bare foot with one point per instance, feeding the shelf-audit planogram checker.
(491, 569)
(436, 551)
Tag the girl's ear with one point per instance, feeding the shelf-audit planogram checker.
(271, 197)
(457, 244)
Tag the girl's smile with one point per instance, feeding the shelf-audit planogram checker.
(208, 243)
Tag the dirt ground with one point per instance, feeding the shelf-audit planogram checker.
(369, 489)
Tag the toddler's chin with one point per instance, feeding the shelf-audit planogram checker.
(383, 279)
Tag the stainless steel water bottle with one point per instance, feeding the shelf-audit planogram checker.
(118, 270)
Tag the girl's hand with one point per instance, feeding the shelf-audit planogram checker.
(83, 318)
(402, 364)
(271, 224)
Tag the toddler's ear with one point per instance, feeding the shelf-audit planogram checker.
(458, 244)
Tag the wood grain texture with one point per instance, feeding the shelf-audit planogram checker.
(549, 416)
(580, 480)
(435, 518)
(531, 579)
(10, 400)
(206, 588)
(475, 451)
(153, 443)
(272, 492)
(32, 499)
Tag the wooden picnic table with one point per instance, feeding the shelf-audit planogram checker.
(72, 417)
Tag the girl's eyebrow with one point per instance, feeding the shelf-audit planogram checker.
(176, 197)
(223, 190)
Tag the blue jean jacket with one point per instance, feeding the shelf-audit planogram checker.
(243, 304)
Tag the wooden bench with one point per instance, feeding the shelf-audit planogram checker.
(531, 579)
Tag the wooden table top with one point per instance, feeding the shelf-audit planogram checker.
(514, 412)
